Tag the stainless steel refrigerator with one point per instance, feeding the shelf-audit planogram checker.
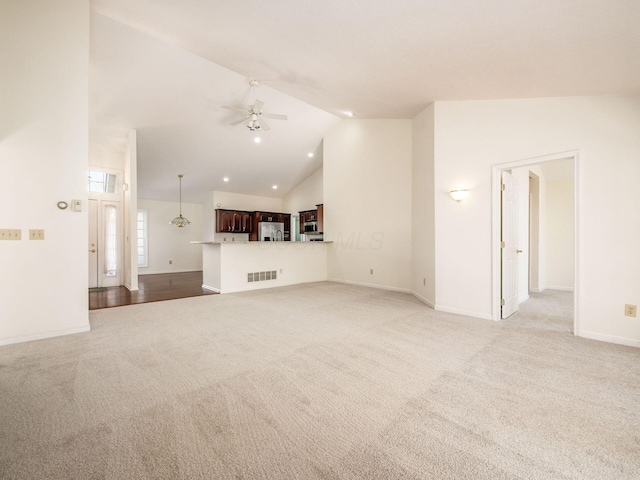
(271, 231)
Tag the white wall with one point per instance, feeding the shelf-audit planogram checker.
(423, 257)
(229, 263)
(130, 205)
(170, 243)
(43, 159)
(472, 136)
(559, 235)
(306, 195)
(367, 202)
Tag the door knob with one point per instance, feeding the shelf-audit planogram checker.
(518, 251)
(93, 250)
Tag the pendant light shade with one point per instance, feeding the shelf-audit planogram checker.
(180, 221)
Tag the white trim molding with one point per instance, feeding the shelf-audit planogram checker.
(629, 342)
(466, 313)
(42, 336)
(562, 289)
(371, 285)
(428, 303)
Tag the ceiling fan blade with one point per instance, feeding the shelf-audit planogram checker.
(237, 109)
(257, 106)
(264, 125)
(275, 116)
(237, 122)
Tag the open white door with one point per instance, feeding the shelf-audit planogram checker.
(509, 245)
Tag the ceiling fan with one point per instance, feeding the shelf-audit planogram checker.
(253, 114)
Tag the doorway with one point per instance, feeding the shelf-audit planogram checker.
(531, 274)
(105, 230)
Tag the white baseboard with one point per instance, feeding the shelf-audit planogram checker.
(536, 290)
(466, 313)
(41, 336)
(423, 300)
(563, 289)
(169, 271)
(629, 342)
(371, 285)
(523, 299)
(213, 289)
(128, 287)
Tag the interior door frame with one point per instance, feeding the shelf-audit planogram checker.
(115, 199)
(496, 171)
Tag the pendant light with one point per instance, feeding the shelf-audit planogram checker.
(180, 221)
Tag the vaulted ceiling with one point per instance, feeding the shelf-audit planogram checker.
(166, 68)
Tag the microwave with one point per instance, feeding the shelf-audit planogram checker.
(310, 227)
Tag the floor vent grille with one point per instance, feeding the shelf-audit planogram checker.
(262, 276)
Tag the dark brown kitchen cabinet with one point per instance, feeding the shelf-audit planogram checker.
(320, 218)
(233, 221)
(309, 221)
(269, 217)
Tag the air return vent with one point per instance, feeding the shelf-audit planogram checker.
(261, 276)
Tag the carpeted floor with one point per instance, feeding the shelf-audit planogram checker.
(320, 381)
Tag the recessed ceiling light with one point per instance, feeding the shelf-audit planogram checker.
(348, 113)
(275, 187)
(225, 179)
(257, 139)
(310, 154)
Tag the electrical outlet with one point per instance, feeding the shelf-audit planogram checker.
(10, 234)
(630, 310)
(36, 234)
(424, 282)
(170, 262)
(371, 271)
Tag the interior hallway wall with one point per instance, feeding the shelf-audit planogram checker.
(522, 177)
(559, 235)
(423, 255)
(43, 159)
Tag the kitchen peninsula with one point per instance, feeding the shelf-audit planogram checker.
(249, 249)
(240, 266)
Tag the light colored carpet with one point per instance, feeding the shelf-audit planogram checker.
(319, 381)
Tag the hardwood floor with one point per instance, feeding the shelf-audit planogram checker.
(153, 288)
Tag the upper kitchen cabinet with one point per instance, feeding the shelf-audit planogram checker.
(269, 217)
(233, 221)
(320, 218)
(311, 221)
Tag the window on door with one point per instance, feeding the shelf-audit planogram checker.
(110, 240)
(143, 238)
(102, 182)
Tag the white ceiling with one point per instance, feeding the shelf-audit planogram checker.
(165, 68)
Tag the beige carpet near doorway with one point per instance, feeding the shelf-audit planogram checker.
(319, 381)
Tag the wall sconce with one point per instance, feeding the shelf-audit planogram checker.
(459, 195)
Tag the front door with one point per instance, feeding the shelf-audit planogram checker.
(105, 243)
(93, 243)
(509, 245)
